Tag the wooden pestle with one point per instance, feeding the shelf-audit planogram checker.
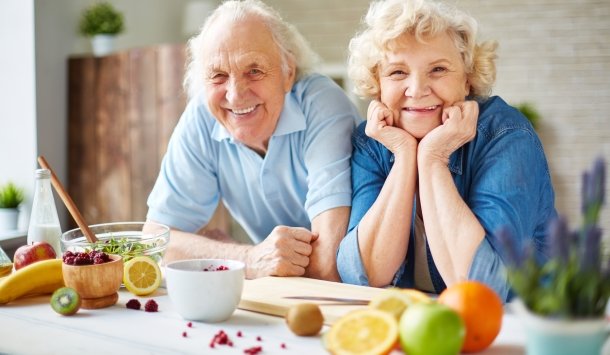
(84, 227)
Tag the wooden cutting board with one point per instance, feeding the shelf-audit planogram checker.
(266, 295)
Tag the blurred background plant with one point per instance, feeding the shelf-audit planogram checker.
(530, 112)
(575, 281)
(101, 18)
(11, 196)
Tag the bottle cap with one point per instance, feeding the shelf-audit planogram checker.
(43, 174)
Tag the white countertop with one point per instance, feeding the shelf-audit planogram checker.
(30, 326)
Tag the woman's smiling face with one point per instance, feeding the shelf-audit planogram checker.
(417, 80)
(245, 83)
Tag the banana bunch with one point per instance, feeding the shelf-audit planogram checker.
(39, 278)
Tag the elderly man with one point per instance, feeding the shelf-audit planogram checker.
(265, 136)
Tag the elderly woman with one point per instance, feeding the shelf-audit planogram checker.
(439, 166)
(268, 139)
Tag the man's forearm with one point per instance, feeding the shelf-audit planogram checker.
(184, 245)
(331, 227)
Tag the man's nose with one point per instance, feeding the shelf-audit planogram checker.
(235, 90)
(417, 86)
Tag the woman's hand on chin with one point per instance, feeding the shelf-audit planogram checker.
(458, 128)
(380, 126)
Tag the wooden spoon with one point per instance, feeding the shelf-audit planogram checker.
(68, 202)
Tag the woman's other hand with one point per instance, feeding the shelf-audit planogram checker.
(380, 126)
(459, 126)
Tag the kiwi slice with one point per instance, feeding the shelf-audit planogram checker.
(65, 301)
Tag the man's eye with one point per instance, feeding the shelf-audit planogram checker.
(217, 77)
(255, 72)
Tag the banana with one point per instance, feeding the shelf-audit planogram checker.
(41, 277)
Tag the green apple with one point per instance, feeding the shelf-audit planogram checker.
(431, 329)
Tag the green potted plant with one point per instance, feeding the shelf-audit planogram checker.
(563, 299)
(102, 23)
(530, 112)
(11, 197)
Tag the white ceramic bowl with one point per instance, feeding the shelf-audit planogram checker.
(206, 296)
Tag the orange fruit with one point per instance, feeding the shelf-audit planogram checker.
(366, 331)
(480, 308)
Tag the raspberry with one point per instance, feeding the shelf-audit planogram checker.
(151, 306)
(133, 304)
(253, 350)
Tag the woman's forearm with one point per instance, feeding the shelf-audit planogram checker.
(452, 230)
(383, 232)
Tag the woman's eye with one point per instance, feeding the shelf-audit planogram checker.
(439, 69)
(398, 73)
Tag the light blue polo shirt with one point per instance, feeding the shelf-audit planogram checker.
(306, 169)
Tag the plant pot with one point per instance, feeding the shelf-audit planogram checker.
(103, 44)
(9, 218)
(547, 336)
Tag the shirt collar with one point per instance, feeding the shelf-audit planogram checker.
(292, 119)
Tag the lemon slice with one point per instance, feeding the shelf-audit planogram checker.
(366, 331)
(395, 301)
(142, 275)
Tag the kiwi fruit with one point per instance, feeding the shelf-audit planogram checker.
(65, 301)
(305, 319)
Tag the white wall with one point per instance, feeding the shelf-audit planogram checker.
(17, 96)
(37, 37)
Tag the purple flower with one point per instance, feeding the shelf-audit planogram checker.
(590, 258)
(512, 253)
(560, 239)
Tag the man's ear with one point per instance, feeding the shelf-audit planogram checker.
(290, 75)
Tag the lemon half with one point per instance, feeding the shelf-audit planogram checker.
(142, 275)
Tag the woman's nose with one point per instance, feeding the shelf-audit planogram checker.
(417, 86)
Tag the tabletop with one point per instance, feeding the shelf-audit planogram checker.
(30, 326)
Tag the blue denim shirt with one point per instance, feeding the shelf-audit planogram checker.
(502, 175)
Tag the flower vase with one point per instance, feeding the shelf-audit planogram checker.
(548, 336)
(9, 218)
(103, 44)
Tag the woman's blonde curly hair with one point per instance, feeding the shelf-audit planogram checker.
(387, 20)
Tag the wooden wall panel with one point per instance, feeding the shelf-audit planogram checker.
(122, 111)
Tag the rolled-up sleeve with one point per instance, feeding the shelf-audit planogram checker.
(488, 268)
(349, 262)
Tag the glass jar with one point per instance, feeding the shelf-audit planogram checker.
(44, 222)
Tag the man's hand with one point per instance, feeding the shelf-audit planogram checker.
(285, 252)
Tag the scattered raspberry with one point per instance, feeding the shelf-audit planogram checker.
(133, 304)
(283, 346)
(259, 338)
(189, 324)
(221, 338)
(151, 306)
(239, 333)
(184, 334)
(219, 268)
(253, 350)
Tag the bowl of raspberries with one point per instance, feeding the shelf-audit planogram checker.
(95, 275)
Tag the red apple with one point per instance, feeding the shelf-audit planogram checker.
(31, 253)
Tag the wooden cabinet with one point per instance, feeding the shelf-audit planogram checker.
(122, 110)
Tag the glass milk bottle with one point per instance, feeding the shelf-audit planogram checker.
(44, 222)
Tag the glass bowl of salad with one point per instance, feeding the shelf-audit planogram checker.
(128, 239)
